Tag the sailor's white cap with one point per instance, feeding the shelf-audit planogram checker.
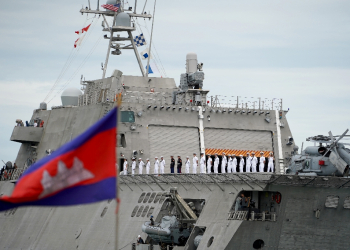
(247, 153)
(161, 157)
(261, 153)
(139, 236)
(156, 157)
(253, 153)
(223, 153)
(140, 159)
(147, 159)
(187, 157)
(241, 155)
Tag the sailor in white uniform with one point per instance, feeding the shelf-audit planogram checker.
(195, 163)
(141, 164)
(234, 163)
(148, 166)
(209, 164)
(229, 164)
(162, 165)
(254, 163)
(241, 164)
(216, 163)
(223, 163)
(125, 166)
(261, 162)
(187, 165)
(248, 163)
(133, 166)
(202, 162)
(156, 165)
(270, 164)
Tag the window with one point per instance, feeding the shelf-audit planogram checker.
(332, 201)
(127, 116)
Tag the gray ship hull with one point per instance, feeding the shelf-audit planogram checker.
(295, 226)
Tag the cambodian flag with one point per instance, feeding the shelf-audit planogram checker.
(81, 171)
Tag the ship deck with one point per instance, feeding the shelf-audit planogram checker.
(166, 180)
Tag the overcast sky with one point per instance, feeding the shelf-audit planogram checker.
(293, 49)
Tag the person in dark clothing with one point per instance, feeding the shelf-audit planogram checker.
(152, 221)
(172, 164)
(179, 164)
(140, 240)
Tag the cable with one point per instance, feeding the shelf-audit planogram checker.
(70, 59)
(80, 66)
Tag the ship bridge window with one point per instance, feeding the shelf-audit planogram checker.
(332, 201)
(127, 116)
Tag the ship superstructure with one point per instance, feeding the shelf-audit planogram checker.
(198, 211)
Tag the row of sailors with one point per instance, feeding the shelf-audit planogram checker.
(250, 164)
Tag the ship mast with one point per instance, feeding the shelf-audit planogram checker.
(121, 23)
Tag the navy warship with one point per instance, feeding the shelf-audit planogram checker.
(304, 203)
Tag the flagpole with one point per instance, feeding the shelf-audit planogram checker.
(117, 104)
(150, 43)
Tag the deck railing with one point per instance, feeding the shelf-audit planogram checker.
(11, 174)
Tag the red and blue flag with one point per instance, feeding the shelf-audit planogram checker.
(81, 171)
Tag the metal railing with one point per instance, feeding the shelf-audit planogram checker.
(242, 215)
(237, 215)
(251, 179)
(11, 174)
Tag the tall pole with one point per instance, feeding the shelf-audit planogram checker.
(150, 43)
(109, 47)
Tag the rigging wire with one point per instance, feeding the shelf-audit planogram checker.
(153, 46)
(80, 66)
(78, 69)
(71, 58)
(154, 60)
(156, 56)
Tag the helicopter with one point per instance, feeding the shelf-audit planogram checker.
(329, 158)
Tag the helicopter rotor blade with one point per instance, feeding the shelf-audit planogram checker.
(331, 135)
(340, 137)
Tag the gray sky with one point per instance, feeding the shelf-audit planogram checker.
(293, 49)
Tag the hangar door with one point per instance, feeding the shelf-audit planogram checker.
(238, 139)
(165, 141)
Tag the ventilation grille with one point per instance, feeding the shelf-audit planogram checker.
(332, 201)
(150, 211)
(144, 212)
(134, 211)
(141, 197)
(347, 203)
(139, 212)
(147, 197)
(152, 197)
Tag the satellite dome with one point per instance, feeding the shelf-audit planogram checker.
(191, 55)
(123, 19)
(70, 96)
